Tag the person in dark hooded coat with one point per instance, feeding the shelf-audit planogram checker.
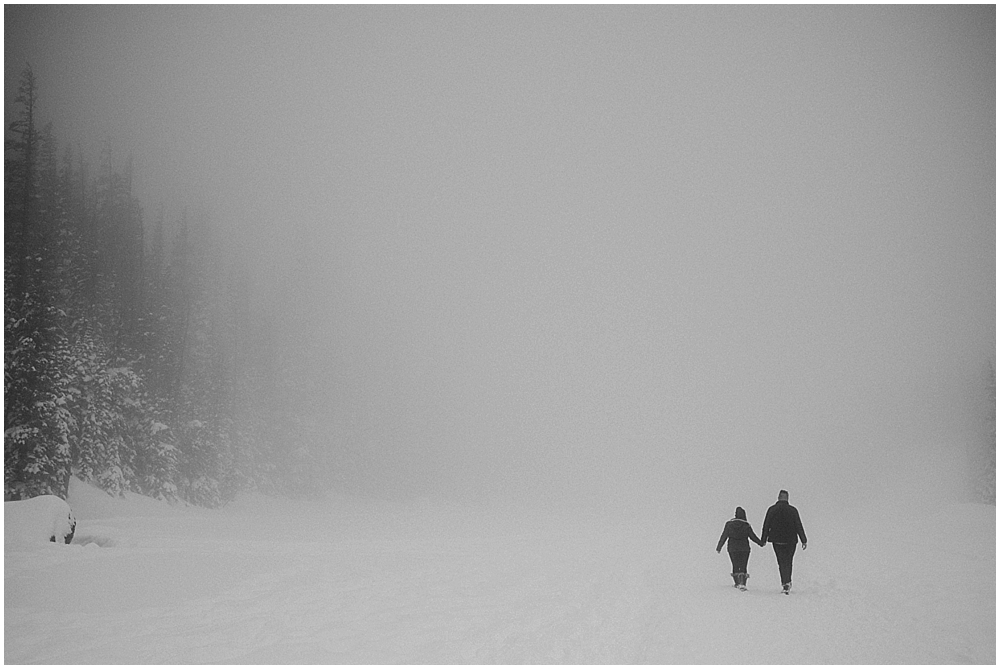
(739, 533)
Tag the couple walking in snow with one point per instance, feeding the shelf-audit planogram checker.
(782, 527)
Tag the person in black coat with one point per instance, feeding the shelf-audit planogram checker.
(738, 532)
(783, 528)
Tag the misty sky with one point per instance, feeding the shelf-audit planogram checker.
(595, 249)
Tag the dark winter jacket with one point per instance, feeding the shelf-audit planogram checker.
(737, 531)
(782, 524)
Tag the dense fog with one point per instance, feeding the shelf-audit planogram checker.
(614, 257)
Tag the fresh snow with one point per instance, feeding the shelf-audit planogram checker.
(37, 520)
(354, 581)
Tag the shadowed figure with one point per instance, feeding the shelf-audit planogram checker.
(783, 528)
(738, 532)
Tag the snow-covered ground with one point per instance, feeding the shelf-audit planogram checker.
(355, 581)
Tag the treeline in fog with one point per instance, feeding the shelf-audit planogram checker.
(132, 357)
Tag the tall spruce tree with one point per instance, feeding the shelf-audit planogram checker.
(37, 424)
(133, 367)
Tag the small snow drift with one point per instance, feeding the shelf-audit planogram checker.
(39, 519)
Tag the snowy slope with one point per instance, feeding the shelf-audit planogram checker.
(352, 581)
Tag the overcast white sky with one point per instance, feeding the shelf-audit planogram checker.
(595, 248)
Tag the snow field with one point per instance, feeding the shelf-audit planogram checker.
(350, 581)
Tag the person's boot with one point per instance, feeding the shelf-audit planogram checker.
(736, 579)
(786, 587)
(742, 581)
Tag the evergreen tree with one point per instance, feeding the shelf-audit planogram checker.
(133, 367)
(36, 422)
(21, 180)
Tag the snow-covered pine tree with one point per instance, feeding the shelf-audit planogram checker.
(122, 363)
(37, 423)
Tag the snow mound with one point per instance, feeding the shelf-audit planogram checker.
(38, 520)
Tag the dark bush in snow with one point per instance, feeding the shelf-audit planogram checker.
(39, 519)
